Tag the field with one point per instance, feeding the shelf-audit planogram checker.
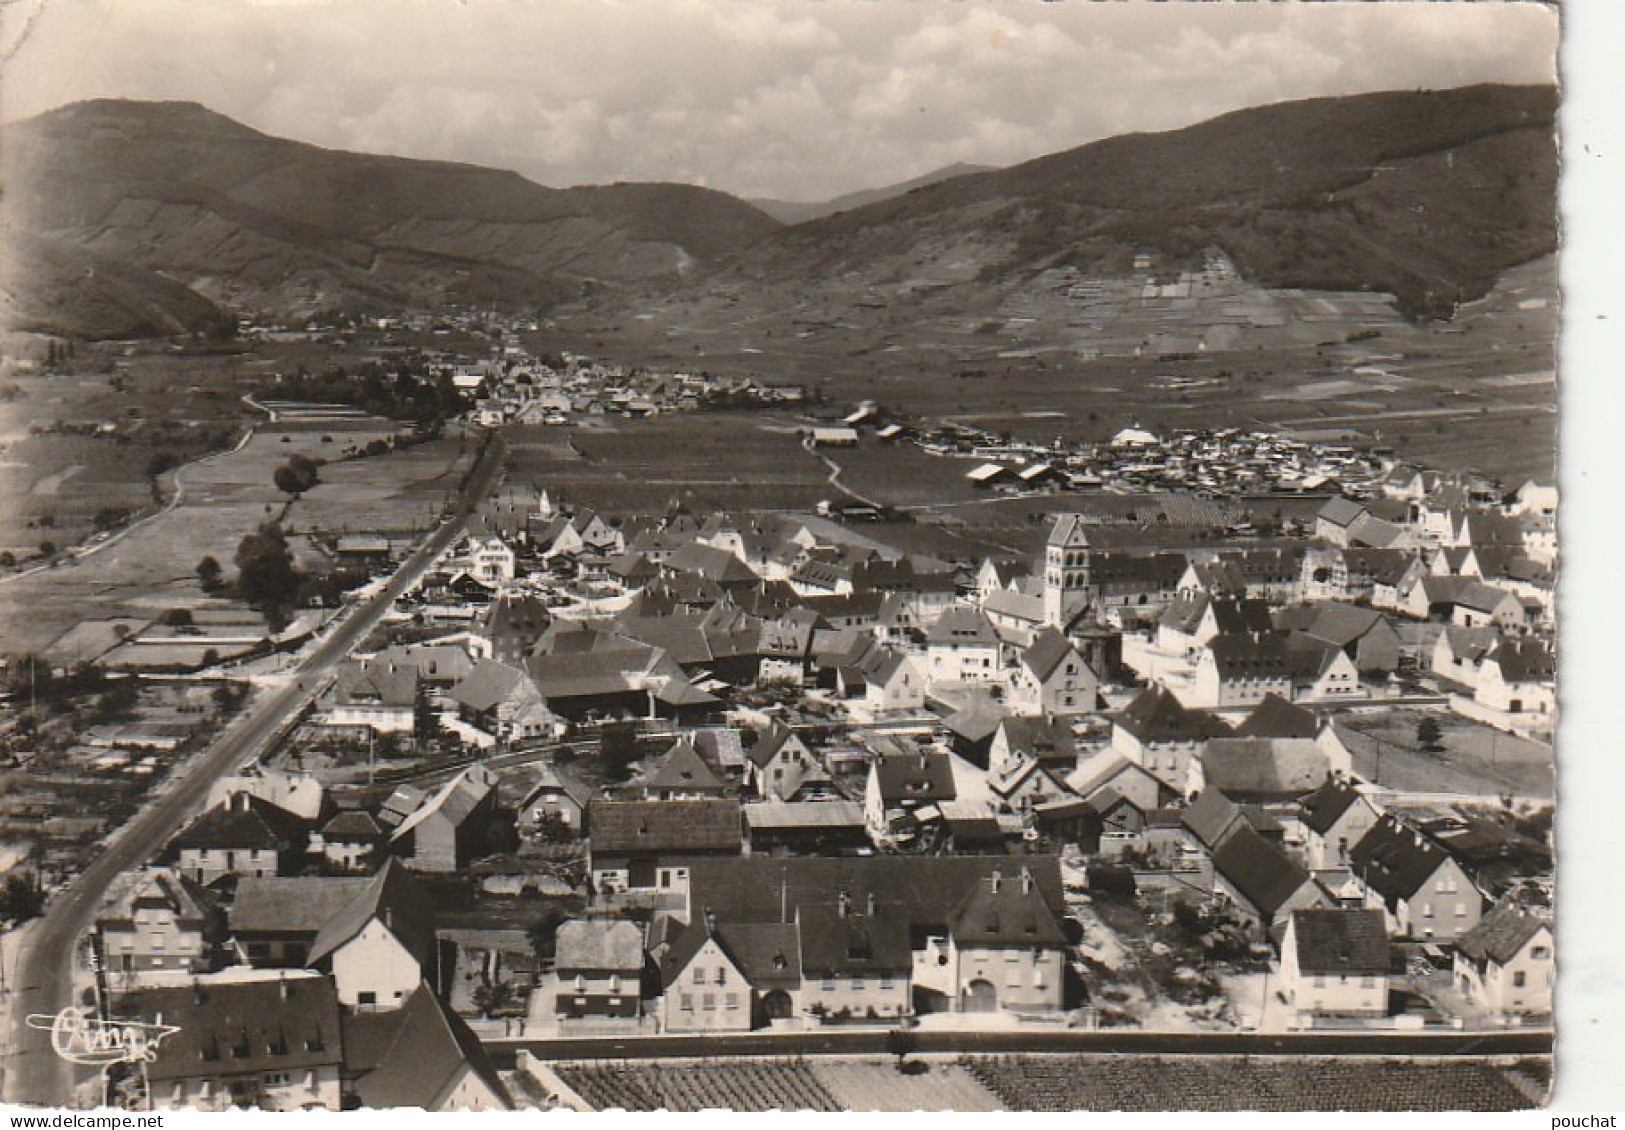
(151, 568)
(709, 461)
(1476, 760)
(1215, 1083)
(1067, 1082)
(1478, 392)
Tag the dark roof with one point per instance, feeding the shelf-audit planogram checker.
(768, 744)
(1331, 621)
(352, 825)
(392, 897)
(682, 768)
(1211, 817)
(961, 626)
(674, 826)
(1242, 616)
(927, 777)
(1341, 511)
(856, 940)
(1524, 661)
(489, 683)
(1260, 872)
(1045, 653)
(290, 905)
(1250, 656)
(410, 1055)
(1499, 935)
(243, 1027)
(1264, 767)
(1156, 715)
(1049, 740)
(768, 954)
(1344, 941)
(1275, 717)
(1395, 860)
(1324, 807)
(1005, 910)
(244, 822)
(599, 946)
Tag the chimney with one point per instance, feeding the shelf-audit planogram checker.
(869, 905)
(282, 984)
(995, 879)
(845, 904)
(1026, 881)
(197, 991)
(925, 760)
(710, 922)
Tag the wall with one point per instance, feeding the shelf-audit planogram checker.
(375, 961)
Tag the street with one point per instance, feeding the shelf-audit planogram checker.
(43, 978)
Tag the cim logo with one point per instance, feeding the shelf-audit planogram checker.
(80, 1038)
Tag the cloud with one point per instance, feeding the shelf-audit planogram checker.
(785, 98)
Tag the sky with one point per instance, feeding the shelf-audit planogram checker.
(792, 99)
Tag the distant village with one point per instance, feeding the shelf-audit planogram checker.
(698, 773)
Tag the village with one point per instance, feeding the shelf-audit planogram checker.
(696, 773)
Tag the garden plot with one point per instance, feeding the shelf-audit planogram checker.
(931, 1085)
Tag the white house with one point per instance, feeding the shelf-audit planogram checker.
(1335, 962)
(1504, 965)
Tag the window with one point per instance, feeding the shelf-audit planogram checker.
(1427, 910)
(1320, 981)
(699, 975)
(277, 1078)
(1519, 977)
(366, 998)
(829, 985)
(722, 975)
(857, 984)
(1540, 953)
(731, 1002)
(708, 1001)
(686, 1000)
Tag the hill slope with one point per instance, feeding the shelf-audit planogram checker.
(792, 212)
(275, 225)
(1425, 195)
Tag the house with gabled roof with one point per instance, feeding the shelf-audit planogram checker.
(778, 763)
(648, 846)
(1007, 950)
(1158, 732)
(421, 1056)
(598, 969)
(556, 792)
(679, 774)
(1021, 785)
(1458, 652)
(513, 625)
(1335, 520)
(1259, 770)
(786, 647)
(622, 677)
(1050, 677)
(1321, 672)
(729, 977)
(448, 829)
(381, 945)
(159, 921)
(1504, 965)
(382, 695)
(1425, 892)
(1262, 882)
(1112, 771)
(503, 701)
(1335, 962)
(1518, 677)
(1334, 818)
(902, 785)
(1238, 670)
(1046, 739)
(893, 682)
(350, 842)
(272, 1044)
(1275, 717)
(1364, 634)
(243, 836)
(962, 647)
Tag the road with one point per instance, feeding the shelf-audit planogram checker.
(873, 1041)
(43, 980)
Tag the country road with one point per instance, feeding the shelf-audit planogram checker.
(43, 979)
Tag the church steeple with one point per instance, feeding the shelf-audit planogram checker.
(1066, 570)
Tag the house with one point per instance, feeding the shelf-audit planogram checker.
(1364, 634)
(680, 774)
(1335, 520)
(350, 842)
(382, 696)
(1111, 771)
(449, 829)
(501, 700)
(273, 1044)
(962, 647)
(813, 827)
(1518, 676)
(1262, 882)
(1046, 739)
(1275, 717)
(718, 977)
(901, 786)
(1021, 785)
(273, 922)
(381, 945)
(1458, 652)
(556, 793)
(1006, 947)
(243, 836)
(512, 626)
(892, 682)
(1334, 817)
(490, 559)
(1335, 962)
(599, 965)
(648, 845)
(1426, 893)
(421, 1056)
(1051, 677)
(1504, 965)
(1159, 733)
(1259, 770)
(1240, 669)
(162, 921)
(617, 678)
(1321, 671)
(780, 766)
(1016, 613)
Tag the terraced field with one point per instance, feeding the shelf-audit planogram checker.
(740, 1086)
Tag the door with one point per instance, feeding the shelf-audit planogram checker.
(777, 1005)
(979, 996)
(641, 873)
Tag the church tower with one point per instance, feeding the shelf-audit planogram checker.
(1066, 571)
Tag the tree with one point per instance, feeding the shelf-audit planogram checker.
(492, 997)
(1429, 734)
(20, 899)
(208, 573)
(177, 618)
(266, 578)
(618, 747)
(543, 934)
(900, 1042)
(296, 476)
